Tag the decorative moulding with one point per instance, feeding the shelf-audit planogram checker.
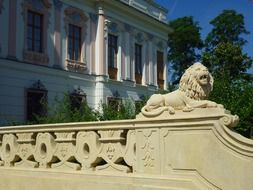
(76, 65)
(38, 85)
(35, 57)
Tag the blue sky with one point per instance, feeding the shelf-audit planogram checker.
(204, 11)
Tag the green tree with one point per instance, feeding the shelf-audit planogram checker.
(237, 97)
(227, 61)
(224, 56)
(223, 46)
(229, 27)
(183, 44)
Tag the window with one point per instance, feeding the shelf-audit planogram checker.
(160, 69)
(36, 103)
(74, 42)
(138, 59)
(36, 15)
(112, 51)
(77, 100)
(114, 103)
(138, 64)
(75, 25)
(34, 31)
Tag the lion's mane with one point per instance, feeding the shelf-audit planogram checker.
(189, 83)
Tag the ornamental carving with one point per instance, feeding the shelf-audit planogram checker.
(148, 148)
(9, 149)
(45, 148)
(98, 150)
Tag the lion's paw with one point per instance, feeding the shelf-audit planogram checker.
(187, 109)
(211, 104)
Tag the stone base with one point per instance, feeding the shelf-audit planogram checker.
(55, 180)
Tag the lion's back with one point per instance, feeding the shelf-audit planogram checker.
(174, 99)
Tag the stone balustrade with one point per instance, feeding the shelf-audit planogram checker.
(180, 151)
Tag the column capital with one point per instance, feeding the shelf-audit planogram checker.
(100, 8)
(57, 4)
(128, 28)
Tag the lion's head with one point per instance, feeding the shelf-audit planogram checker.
(196, 82)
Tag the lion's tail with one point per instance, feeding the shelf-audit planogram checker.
(153, 113)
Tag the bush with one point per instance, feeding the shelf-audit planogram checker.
(65, 111)
(237, 97)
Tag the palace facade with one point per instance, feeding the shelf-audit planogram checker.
(97, 50)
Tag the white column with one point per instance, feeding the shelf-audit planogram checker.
(143, 53)
(100, 44)
(146, 63)
(127, 56)
(165, 69)
(132, 67)
(155, 65)
(123, 54)
(151, 62)
(119, 57)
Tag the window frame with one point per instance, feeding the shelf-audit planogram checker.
(76, 100)
(112, 99)
(73, 39)
(43, 9)
(71, 15)
(29, 117)
(34, 28)
(112, 51)
(160, 66)
(138, 58)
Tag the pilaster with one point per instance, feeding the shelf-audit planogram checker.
(12, 29)
(57, 34)
(93, 31)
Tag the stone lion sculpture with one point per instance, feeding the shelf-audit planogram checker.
(194, 87)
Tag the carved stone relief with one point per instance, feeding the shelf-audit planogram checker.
(147, 142)
(105, 150)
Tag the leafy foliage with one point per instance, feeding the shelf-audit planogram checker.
(64, 111)
(125, 110)
(238, 98)
(183, 43)
(227, 61)
(223, 46)
(223, 55)
(229, 26)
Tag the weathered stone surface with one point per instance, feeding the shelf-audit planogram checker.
(180, 151)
